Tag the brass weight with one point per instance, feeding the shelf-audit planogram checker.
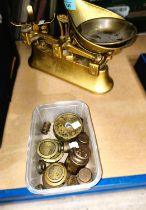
(84, 176)
(83, 139)
(46, 127)
(72, 180)
(55, 175)
(50, 150)
(67, 126)
(47, 148)
(41, 166)
(76, 159)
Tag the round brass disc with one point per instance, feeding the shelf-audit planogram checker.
(67, 126)
(47, 148)
(84, 175)
(55, 175)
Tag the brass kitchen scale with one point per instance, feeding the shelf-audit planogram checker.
(89, 36)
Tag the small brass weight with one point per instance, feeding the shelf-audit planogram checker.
(89, 37)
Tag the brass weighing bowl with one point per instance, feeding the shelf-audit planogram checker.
(104, 34)
(107, 31)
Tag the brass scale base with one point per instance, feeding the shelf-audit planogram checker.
(70, 71)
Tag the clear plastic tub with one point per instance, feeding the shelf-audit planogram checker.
(49, 112)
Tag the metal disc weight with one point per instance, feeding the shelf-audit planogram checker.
(47, 148)
(67, 126)
(54, 175)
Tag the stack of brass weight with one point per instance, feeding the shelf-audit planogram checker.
(63, 159)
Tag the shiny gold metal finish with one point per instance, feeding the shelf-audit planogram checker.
(48, 39)
(63, 69)
(94, 48)
(54, 175)
(50, 150)
(63, 23)
(46, 128)
(67, 126)
(89, 37)
(84, 176)
(66, 147)
(87, 11)
(76, 159)
(47, 148)
(73, 49)
(57, 51)
(109, 32)
(104, 81)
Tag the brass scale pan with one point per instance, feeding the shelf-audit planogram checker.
(106, 33)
